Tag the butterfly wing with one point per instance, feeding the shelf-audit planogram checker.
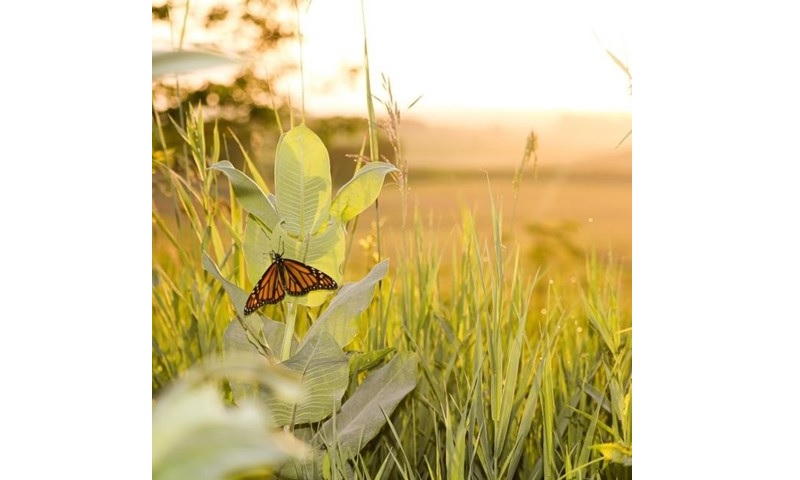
(299, 279)
(267, 290)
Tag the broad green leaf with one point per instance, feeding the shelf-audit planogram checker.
(196, 436)
(184, 61)
(340, 319)
(361, 191)
(301, 228)
(364, 413)
(249, 194)
(302, 181)
(323, 369)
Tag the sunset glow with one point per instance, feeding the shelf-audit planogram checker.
(462, 55)
(457, 56)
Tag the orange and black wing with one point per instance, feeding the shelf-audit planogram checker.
(299, 279)
(267, 290)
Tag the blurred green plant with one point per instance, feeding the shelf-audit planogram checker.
(196, 435)
(184, 61)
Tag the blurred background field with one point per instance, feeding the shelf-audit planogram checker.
(577, 198)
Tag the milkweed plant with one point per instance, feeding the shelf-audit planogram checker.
(304, 222)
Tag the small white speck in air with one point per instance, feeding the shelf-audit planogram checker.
(573, 280)
(552, 281)
(580, 329)
(544, 311)
(591, 219)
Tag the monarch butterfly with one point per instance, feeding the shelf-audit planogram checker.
(286, 276)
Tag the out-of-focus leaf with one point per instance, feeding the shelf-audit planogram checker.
(185, 61)
(195, 436)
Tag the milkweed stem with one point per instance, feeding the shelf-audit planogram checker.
(288, 332)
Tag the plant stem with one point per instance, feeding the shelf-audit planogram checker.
(288, 332)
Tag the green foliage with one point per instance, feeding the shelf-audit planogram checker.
(359, 193)
(368, 409)
(514, 383)
(486, 372)
(519, 376)
(352, 299)
(189, 216)
(301, 220)
(318, 359)
(323, 368)
(297, 220)
(196, 436)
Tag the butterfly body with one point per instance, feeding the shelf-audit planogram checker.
(286, 277)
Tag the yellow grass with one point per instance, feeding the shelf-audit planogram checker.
(581, 187)
(581, 182)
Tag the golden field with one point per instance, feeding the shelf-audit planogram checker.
(575, 196)
(578, 193)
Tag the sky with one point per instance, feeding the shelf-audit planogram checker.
(463, 55)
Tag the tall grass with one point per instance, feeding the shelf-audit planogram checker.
(522, 375)
(191, 216)
(515, 384)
